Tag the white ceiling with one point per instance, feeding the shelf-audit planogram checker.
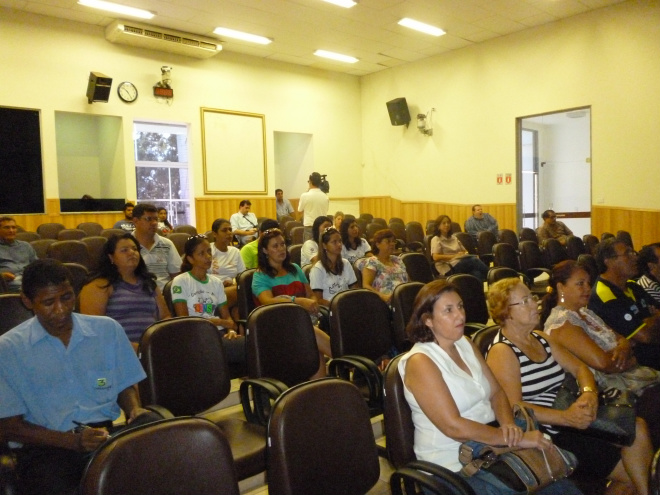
(368, 31)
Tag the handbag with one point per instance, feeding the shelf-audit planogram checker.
(523, 470)
(635, 380)
(616, 418)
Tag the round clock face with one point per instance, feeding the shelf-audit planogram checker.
(127, 92)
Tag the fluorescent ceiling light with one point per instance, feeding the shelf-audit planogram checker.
(230, 33)
(119, 9)
(342, 3)
(335, 56)
(420, 26)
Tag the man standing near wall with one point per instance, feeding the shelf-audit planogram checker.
(313, 203)
(282, 206)
(480, 221)
(244, 223)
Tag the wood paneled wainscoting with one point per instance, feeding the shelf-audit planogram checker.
(643, 225)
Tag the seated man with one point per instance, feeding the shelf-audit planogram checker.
(63, 378)
(15, 255)
(282, 206)
(250, 251)
(480, 221)
(127, 222)
(623, 304)
(648, 264)
(552, 229)
(244, 223)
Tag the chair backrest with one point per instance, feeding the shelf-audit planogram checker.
(589, 263)
(380, 221)
(530, 256)
(590, 243)
(284, 220)
(297, 235)
(180, 455)
(27, 236)
(359, 324)
(399, 230)
(500, 272)
(431, 225)
(468, 242)
(397, 418)
(40, 246)
(414, 232)
(417, 267)
(185, 363)
(49, 230)
(317, 450)
(471, 290)
(397, 220)
(71, 235)
(179, 239)
(290, 226)
(485, 242)
(79, 275)
(108, 233)
(13, 312)
(484, 337)
(295, 251)
(505, 255)
(372, 228)
(553, 252)
(527, 234)
(625, 237)
(281, 344)
(306, 269)
(185, 229)
(90, 228)
(606, 235)
(403, 299)
(509, 236)
(95, 246)
(456, 227)
(367, 217)
(167, 295)
(575, 247)
(655, 474)
(245, 301)
(69, 252)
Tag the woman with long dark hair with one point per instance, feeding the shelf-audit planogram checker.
(384, 271)
(124, 289)
(449, 254)
(309, 252)
(355, 246)
(331, 274)
(227, 262)
(277, 281)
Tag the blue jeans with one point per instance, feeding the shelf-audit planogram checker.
(484, 483)
(471, 265)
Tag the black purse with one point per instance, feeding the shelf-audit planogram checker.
(617, 412)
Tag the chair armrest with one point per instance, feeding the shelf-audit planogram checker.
(257, 396)
(367, 371)
(535, 272)
(165, 413)
(435, 479)
(472, 327)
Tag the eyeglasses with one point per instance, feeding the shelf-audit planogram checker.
(527, 301)
(149, 219)
(552, 217)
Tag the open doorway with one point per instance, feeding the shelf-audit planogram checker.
(554, 168)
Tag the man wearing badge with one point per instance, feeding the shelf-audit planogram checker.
(63, 378)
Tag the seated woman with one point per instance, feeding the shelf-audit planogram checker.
(331, 274)
(449, 254)
(354, 246)
(227, 262)
(648, 264)
(277, 280)
(123, 289)
(196, 293)
(454, 396)
(608, 354)
(384, 271)
(164, 226)
(310, 249)
(531, 366)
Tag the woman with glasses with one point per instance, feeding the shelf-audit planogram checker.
(196, 293)
(226, 262)
(277, 281)
(310, 249)
(354, 246)
(531, 367)
(384, 271)
(449, 254)
(124, 289)
(331, 274)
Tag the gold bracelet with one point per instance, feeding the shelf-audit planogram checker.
(588, 389)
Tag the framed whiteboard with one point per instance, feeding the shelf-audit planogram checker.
(233, 152)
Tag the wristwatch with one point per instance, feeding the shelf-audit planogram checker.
(588, 389)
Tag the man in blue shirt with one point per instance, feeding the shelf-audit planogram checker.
(15, 255)
(282, 206)
(63, 379)
(480, 221)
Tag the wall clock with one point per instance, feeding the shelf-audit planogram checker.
(127, 92)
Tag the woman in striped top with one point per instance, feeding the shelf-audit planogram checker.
(530, 366)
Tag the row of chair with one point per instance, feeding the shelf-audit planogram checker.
(59, 232)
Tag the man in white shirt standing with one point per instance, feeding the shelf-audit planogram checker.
(244, 223)
(313, 203)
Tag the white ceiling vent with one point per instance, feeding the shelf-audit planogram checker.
(164, 40)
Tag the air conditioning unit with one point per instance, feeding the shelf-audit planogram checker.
(156, 38)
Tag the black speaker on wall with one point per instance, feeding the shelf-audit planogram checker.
(98, 87)
(398, 110)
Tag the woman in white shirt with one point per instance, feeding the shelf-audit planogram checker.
(226, 262)
(354, 246)
(331, 274)
(310, 249)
